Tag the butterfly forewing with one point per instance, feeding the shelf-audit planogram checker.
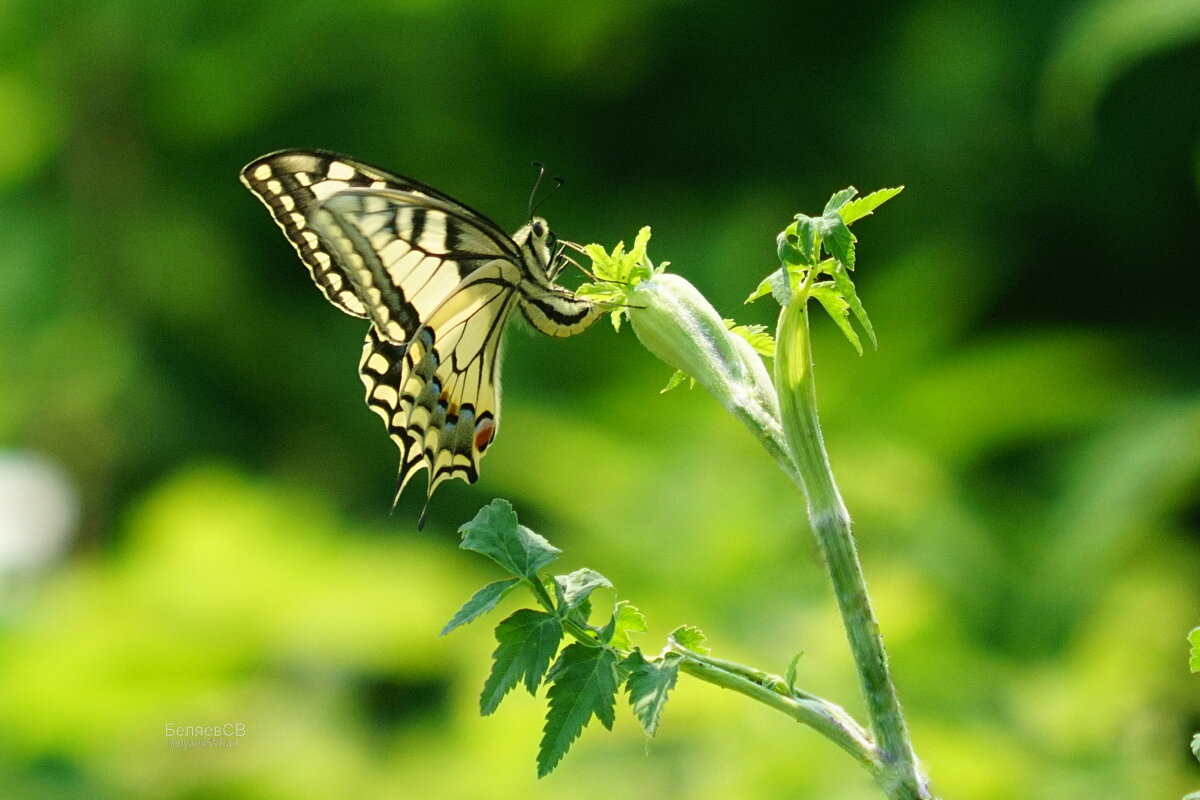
(404, 253)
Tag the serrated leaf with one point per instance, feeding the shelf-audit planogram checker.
(756, 335)
(778, 284)
(494, 532)
(764, 288)
(528, 641)
(628, 620)
(841, 279)
(583, 684)
(838, 309)
(690, 637)
(838, 240)
(577, 585)
(807, 239)
(863, 206)
(1194, 638)
(648, 684)
(480, 603)
(839, 199)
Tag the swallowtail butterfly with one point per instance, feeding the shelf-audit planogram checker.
(437, 281)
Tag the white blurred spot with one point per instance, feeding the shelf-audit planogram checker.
(38, 511)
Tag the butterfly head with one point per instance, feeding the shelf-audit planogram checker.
(540, 245)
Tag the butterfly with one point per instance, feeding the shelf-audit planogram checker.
(436, 279)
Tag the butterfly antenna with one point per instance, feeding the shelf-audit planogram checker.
(558, 183)
(541, 168)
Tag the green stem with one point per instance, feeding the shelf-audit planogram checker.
(829, 719)
(816, 714)
(830, 523)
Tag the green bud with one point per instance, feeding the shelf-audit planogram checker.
(679, 326)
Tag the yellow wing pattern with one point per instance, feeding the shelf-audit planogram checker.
(437, 281)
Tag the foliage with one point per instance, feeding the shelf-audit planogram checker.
(584, 680)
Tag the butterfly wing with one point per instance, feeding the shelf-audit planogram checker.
(438, 289)
(439, 395)
(291, 183)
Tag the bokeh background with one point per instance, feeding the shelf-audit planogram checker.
(194, 500)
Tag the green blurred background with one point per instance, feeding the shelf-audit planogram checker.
(195, 499)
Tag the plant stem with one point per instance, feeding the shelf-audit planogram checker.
(830, 523)
(825, 717)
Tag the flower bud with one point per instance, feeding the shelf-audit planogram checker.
(679, 326)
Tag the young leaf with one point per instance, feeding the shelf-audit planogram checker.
(677, 378)
(480, 603)
(690, 637)
(757, 336)
(578, 585)
(845, 285)
(786, 247)
(583, 683)
(494, 532)
(863, 206)
(838, 309)
(838, 200)
(789, 677)
(765, 287)
(648, 684)
(838, 240)
(1194, 638)
(528, 640)
(807, 239)
(1196, 746)
(628, 620)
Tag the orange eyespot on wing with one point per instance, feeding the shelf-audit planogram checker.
(485, 431)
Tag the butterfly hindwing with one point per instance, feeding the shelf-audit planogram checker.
(439, 395)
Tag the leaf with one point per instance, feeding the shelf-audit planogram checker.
(578, 585)
(838, 200)
(757, 335)
(789, 677)
(838, 309)
(1196, 746)
(494, 532)
(620, 266)
(648, 684)
(583, 684)
(864, 206)
(677, 378)
(1194, 638)
(764, 287)
(628, 620)
(807, 239)
(838, 240)
(480, 603)
(786, 246)
(690, 637)
(528, 640)
(845, 285)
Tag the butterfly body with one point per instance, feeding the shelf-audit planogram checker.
(437, 281)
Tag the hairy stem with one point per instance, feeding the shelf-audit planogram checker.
(830, 523)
